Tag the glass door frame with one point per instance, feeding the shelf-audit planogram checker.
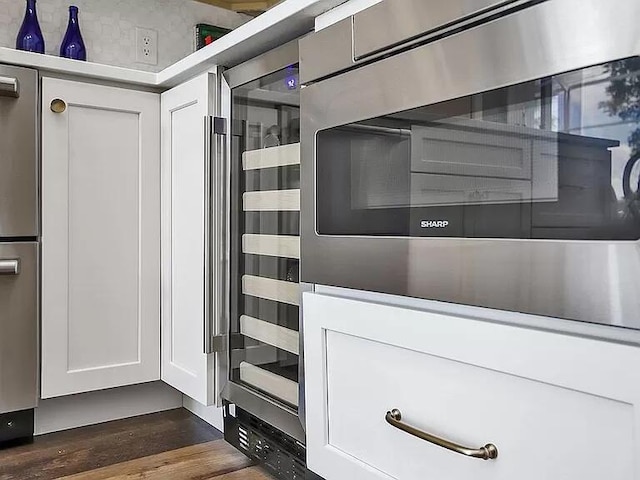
(286, 419)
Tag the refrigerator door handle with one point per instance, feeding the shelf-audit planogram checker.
(10, 266)
(9, 87)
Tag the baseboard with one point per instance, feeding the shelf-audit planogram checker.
(212, 415)
(64, 413)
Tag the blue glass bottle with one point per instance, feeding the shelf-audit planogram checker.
(30, 36)
(72, 44)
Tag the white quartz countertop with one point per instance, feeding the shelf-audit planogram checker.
(282, 23)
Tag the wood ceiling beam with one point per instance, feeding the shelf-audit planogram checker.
(243, 5)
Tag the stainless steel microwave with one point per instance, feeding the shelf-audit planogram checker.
(477, 152)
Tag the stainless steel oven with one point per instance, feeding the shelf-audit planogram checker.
(477, 152)
(19, 234)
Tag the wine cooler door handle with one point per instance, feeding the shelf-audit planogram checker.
(220, 234)
(215, 233)
(208, 252)
(9, 87)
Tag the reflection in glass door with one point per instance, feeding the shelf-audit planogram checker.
(265, 244)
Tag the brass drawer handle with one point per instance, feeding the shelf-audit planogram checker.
(488, 452)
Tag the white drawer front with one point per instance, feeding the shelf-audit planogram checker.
(556, 407)
(546, 428)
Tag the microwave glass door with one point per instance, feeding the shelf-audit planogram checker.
(553, 158)
(265, 242)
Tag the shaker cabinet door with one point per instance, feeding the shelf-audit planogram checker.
(100, 237)
(385, 385)
(185, 365)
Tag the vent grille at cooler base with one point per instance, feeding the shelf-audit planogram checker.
(281, 455)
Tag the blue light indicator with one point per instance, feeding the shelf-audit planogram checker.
(292, 82)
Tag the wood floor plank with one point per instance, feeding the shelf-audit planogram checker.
(251, 473)
(89, 448)
(198, 462)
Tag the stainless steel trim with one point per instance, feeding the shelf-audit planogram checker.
(302, 381)
(9, 267)
(263, 65)
(399, 25)
(529, 276)
(222, 214)
(9, 87)
(209, 255)
(406, 20)
(381, 130)
(283, 417)
(336, 39)
(220, 343)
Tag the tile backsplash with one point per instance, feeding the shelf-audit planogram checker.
(108, 26)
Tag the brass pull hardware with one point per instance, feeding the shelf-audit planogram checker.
(488, 452)
(58, 105)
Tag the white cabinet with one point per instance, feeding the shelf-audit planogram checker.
(185, 366)
(100, 237)
(554, 405)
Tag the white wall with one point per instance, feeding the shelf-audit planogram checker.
(108, 26)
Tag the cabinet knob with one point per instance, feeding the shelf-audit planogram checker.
(58, 105)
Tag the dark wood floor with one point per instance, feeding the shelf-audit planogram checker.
(173, 445)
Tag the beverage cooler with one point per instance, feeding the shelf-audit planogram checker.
(263, 395)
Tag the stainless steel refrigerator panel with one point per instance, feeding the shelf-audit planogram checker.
(18, 326)
(592, 281)
(18, 152)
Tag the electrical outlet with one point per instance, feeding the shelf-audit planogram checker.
(146, 46)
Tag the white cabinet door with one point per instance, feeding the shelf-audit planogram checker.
(185, 366)
(100, 238)
(553, 405)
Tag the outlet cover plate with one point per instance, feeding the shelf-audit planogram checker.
(146, 46)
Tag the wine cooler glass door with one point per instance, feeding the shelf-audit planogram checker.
(265, 246)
